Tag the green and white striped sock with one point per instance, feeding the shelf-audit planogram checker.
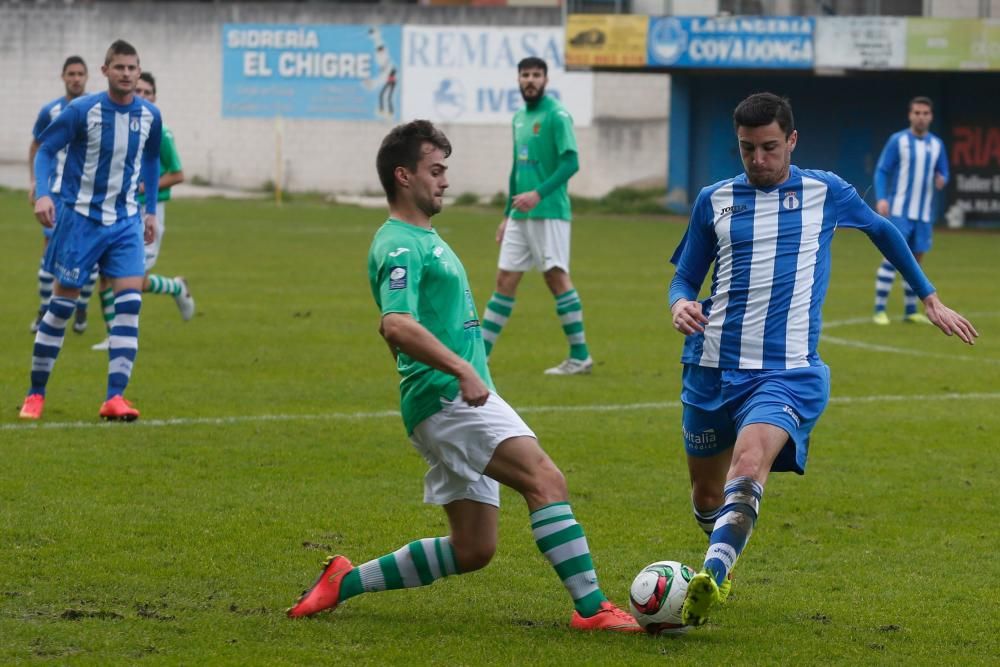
(497, 313)
(108, 306)
(162, 285)
(570, 312)
(417, 564)
(560, 538)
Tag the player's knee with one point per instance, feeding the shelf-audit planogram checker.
(706, 497)
(547, 485)
(474, 556)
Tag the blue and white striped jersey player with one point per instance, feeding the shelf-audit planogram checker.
(912, 166)
(74, 76)
(753, 382)
(111, 139)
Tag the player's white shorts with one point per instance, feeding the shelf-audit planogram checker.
(535, 243)
(458, 443)
(153, 249)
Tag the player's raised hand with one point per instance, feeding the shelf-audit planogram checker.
(687, 316)
(949, 321)
(45, 211)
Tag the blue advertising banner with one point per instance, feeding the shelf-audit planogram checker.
(782, 42)
(343, 72)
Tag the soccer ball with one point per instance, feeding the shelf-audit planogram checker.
(657, 595)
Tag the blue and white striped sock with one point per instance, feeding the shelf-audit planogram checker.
(124, 341)
(706, 518)
(734, 525)
(909, 299)
(45, 280)
(87, 290)
(48, 341)
(884, 278)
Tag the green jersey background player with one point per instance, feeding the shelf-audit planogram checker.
(171, 173)
(471, 439)
(535, 231)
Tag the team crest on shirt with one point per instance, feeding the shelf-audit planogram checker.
(134, 125)
(790, 201)
(536, 128)
(397, 277)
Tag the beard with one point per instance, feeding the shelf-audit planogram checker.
(769, 177)
(534, 96)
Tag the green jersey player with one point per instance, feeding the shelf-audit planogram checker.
(472, 440)
(535, 231)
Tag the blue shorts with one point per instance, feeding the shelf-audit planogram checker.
(916, 232)
(79, 243)
(719, 403)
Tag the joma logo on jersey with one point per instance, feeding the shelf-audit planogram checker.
(734, 209)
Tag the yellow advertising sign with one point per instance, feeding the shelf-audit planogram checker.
(606, 40)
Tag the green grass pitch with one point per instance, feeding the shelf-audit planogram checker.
(268, 439)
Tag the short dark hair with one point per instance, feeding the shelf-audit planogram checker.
(533, 62)
(148, 78)
(920, 99)
(403, 147)
(74, 60)
(119, 48)
(763, 109)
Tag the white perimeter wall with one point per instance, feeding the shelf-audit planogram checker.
(181, 45)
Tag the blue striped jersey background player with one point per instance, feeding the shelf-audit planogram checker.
(74, 77)
(912, 166)
(111, 138)
(753, 384)
(107, 147)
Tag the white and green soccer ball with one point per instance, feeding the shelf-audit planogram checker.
(657, 594)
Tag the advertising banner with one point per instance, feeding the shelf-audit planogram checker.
(974, 188)
(606, 40)
(771, 42)
(342, 72)
(468, 74)
(952, 44)
(854, 42)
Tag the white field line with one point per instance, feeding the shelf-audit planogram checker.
(387, 414)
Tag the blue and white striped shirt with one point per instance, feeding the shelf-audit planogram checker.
(46, 115)
(905, 173)
(107, 146)
(771, 249)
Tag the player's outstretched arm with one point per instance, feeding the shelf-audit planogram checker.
(949, 321)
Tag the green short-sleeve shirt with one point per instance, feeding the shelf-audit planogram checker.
(412, 270)
(170, 162)
(541, 134)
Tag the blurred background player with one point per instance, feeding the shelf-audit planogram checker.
(470, 437)
(108, 137)
(912, 166)
(171, 174)
(535, 232)
(74, 76)
(753, 383)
